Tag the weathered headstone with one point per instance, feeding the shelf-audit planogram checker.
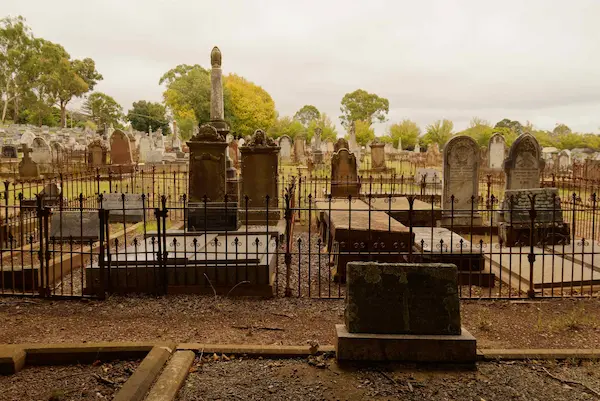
(28, 169)
(378, 156)
(40, 151)
(128, 208)
(285, 143)
(145, 147)
(260, 169)
(403, 312)
(564, 160)
(9, 152)
(317, 154)
(461, 182)
(234, 153)
(496, 151)
(344, 175)
(97, 152)
(75, 226)
(27, 138)
(299, 151)
(341, 144)
(523, 164)
(58, 152)
(120, 149)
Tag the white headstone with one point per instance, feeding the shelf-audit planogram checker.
(285, 143)
(496, 151)
(145, 147)
(41, 153)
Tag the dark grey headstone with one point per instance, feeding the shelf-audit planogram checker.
(9, 152)
(212, 216)
(129, 209)
(75, 225)
(402, 298)
(517, 205)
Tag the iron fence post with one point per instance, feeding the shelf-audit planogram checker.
(532, 236)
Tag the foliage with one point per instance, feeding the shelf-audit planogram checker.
(250, 106)
(561, 129)
(361, 105)
(103, 110)
(186, 121)
(285, 126)
(514, 126)
(480, 130)
(247, 106)
(144, 115)
(307, 114)
(439, 132)
(328, 130)
(407, 132)
(364, 132)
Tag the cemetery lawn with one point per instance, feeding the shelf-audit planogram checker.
(559, 323)
(65, 383)
(323, 379)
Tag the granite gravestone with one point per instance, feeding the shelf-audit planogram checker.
(378, 156)
(285, 143)
(75, 226)
(28, 169)
(461, 182)
(260, 169)
(9, 152)
(97, 152)
(403, 312)
(496, 151)
(128, 208)
(120, 149)
(523, 164)
(344, 175)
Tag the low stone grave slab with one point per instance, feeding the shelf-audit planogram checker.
(213, 216)
(584, 253)
(403, 312)
(214, 262)
(75, 226)
(423, 213)
(512, 266)
(18, 279)
(127, 209)
(436, 245)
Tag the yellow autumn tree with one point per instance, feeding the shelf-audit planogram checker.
(250, 107)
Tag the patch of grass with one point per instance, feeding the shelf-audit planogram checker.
(483, 320)
(575, 320)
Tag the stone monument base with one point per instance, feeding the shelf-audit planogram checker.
(461, 220)
(520, 235)
(457, 349)
(317, 157)
(258, 217)
(212, 216)
(345, 190)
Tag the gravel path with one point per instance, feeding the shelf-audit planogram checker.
(302, 380)
(66, 383)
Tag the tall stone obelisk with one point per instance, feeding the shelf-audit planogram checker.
(217, 108)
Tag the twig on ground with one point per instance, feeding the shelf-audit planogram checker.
(258, 328)
(234, 287)
(211, 286)
(104, 380)
(565, 381)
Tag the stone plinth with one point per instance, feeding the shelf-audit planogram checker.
(207, 171)
(260, 169)
(402, 298)
(212, 216)
(378, 156)
(403, 312)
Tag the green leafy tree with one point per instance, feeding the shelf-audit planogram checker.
(361, 105)
(515, 126)
(561, 129)
(16, 52)
(250, 106)
(103, 110)
(328, 130)
(364, 132)
(285, 126)
(480, 130)
(407, 132)
(307, 114)
(144, 115)
(73, 78)
(188, 88)
(439, 132)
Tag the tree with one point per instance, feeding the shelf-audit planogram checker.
(73, 78)
(250, 106)
(405, 131)
(561, 129)
(144, 115)
(439, 132)
(103, 110)
(361, 105)
(247, 106)
(15, 53)
(285, 126)
(515, 126)
(480, 130)
(307, 114)
(364, 132)
(328, 130)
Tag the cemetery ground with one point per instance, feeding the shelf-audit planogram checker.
(503, 324)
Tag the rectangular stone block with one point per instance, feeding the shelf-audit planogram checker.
(456, 349)
(75, 225)
(212, 216)
(128, 209)
(402, 298)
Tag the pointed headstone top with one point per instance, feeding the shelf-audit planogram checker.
(215, 57)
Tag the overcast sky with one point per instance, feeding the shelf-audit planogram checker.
(533, 60)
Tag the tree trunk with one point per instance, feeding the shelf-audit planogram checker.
(63, 114)
(4, 110)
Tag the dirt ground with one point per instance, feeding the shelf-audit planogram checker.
(560, 323)
(300, 379)
(66, 383)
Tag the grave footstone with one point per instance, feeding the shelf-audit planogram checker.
(128, 208)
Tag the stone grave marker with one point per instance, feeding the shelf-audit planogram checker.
(523, 164)
(378, 156)
(496, 151)
(344, 174)
(299, 151)
(430, 176)
(75, 226)
(285, 143)
(145, 147)
(58, 152)
(120, 149)
(9, 152)
(28, 169)
(461, 180)
(97, 152)
(129, 209)
(564, 160)
(40, 151)
(27, 138)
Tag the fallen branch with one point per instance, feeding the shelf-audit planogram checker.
(565, 381)
(258, 328)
